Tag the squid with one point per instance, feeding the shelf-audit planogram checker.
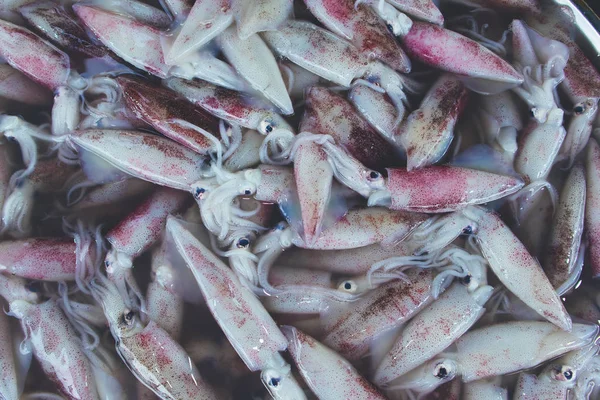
(506, 255)
(475, 359)
(245, 322)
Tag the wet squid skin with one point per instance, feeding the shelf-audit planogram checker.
(289, 199)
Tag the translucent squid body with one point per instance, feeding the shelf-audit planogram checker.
(436, 327)
(57, 25)
(260, 16)
(560, 264)
(429, 130)
(328, 374)
(325, 54)
(542, 62)
(499, 121)
(253, 60)
(136, 234)
(456, 188)
(361, 26)
(45, 259)
(592, 216)
(517, 345)
(239, 109)
(57, 347)
(149, 352)
(377, 312)
(164, 111)
(245, 322)
(507, 257)
(479, 68)
(559, 378)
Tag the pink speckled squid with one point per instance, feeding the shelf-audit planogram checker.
(517, 345)
(137, 233)
(328, 374)
(506, 255)
(150, 353)
(245, 322)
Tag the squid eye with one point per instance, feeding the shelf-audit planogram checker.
(34, 286)
(373, 175)
(128, 316)
(274, 382)
(269, 128)
(348, 286)
(568, 374)
(467, 230)
(564, 374)
(199, 193)
(441, 371)
(243, 243)
(390, 28)
(466, 280)
(578, 109)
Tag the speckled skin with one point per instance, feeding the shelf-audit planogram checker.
(455, 188)
(57, 347)
(430, 332)
(50, 175)
(14, 288)
(377, 109)
(114, 192)
(163, 304)
(313, 175)
(428, 131)
(365, 226)
(262, 15)
(330, 114)
(317, 50)
(348, 261)
(179, 8)
(241, 316)
(275, 183)
(328, 374)
(14, 85)
(8, 370)
(379, 310)
(449, 51)
(143, 226)
(134, 42)
(517, 345)
(582, 79)
(145, 156)
(253, 60)
(159, 107)
(291, 301)
(34, 57)
(206, 20)
(567, 229)
(46, 259)
(530, 387)
(488, 389)
(517, 269)
(425, 10)
(361, 26)
(592, 211)
(234, 107)
(53, 22)
(163, 365)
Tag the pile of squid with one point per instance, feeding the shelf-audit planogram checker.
(332, 199)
